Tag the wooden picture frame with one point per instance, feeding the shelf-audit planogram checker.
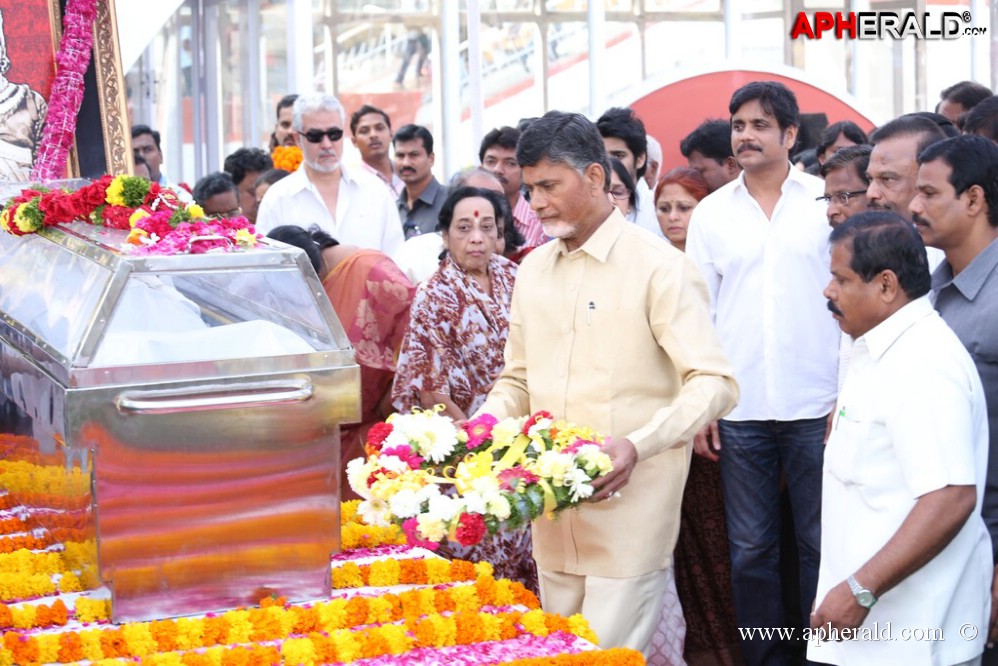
(103, 138)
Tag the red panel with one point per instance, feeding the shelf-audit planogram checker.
(675, 110)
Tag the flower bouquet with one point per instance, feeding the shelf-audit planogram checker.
(440, 481)
(160, 222)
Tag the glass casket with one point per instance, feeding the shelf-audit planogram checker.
(179, 415)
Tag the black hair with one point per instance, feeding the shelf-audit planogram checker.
(285, 102)
(412, 132)
(941, 121)
(883, 240)
(313, 241)
(457, 195)
(967, 94)
(564, 138)
(908, 125)
(213, 184)
(851, 130)
(625, 178)
(973, 160)
(983, 118)
(505, 137)
(247, 160)
(622, 123)
(856, 157)
(363, 111)
(139, 130)
(270, 176)
(775, 98)
(712, 139)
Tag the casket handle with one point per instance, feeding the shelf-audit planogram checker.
(222, 396)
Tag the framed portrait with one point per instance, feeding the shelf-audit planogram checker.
(30, 31)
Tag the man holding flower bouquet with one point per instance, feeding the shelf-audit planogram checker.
(610, 327)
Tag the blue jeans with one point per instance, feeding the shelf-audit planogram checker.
(753, 453)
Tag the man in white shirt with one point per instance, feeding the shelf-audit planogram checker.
(371, 133)
(761, 243)
(624, 138)
(351, 205)
(905, 556)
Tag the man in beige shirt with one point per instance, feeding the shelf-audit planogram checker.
(610, 327)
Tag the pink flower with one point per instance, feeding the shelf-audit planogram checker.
(411, 528)
(479, 430)
(405, 454)
(510, 479)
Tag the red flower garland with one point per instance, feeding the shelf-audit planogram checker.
(72, 60)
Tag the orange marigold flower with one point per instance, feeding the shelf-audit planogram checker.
(70, 647)
(59, 613)
(165, 634)
(113, 643)
(356, 611)
(412, 572)
(216, 631)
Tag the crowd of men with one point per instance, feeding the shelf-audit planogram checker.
(856, 306)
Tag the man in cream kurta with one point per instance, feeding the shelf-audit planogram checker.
(609, 327)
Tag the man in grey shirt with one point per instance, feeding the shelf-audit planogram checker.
(956, 210)
(422, 198)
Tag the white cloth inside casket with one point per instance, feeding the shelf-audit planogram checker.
(155, 323)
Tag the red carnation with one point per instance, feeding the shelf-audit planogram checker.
(470, 529)
(58, 208)
(116, 217)
(378, 433)
(534, 418)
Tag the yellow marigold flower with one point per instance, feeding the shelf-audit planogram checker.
(298, 651)
(90, 644)
(347, 644)
(70, 583)
(140, 639)
(91, 610)
(347, 575)
(533, 622)
(190, 633)
(239, 626)
(195, 210)
(23, 617)
(115, 191)
(137, 215)
(397, 638)
(48, 647)
(5, 219)
(580, 627)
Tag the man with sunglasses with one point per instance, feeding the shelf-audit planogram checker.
(845, 183)
(346, 202)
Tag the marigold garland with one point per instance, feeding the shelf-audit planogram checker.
(288, 158)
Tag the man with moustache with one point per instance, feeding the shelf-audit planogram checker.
(497, 153)
(761, 243)
(420, 202)
(903, 545)
(610, 327)
(956, 211)
(349, 204)
(284, 133)
(893, 164)
(371, 133)
(844, 173)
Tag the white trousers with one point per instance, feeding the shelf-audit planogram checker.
(623, 612)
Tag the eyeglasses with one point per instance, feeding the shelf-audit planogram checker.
(619, 193)
(315, 135)
(841, 198)
(235, 212)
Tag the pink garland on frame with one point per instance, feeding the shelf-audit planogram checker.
(72, 60)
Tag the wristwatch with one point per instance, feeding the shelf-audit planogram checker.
(863, 596)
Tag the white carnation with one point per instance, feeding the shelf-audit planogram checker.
(405, 503)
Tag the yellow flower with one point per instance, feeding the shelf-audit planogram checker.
(5, 219)
(195, 210)
(474, 466)
(115, 191)
(245, 238)
(22, 221)
(137, 215)
(298, 651)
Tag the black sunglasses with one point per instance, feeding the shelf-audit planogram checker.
(315, 135)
